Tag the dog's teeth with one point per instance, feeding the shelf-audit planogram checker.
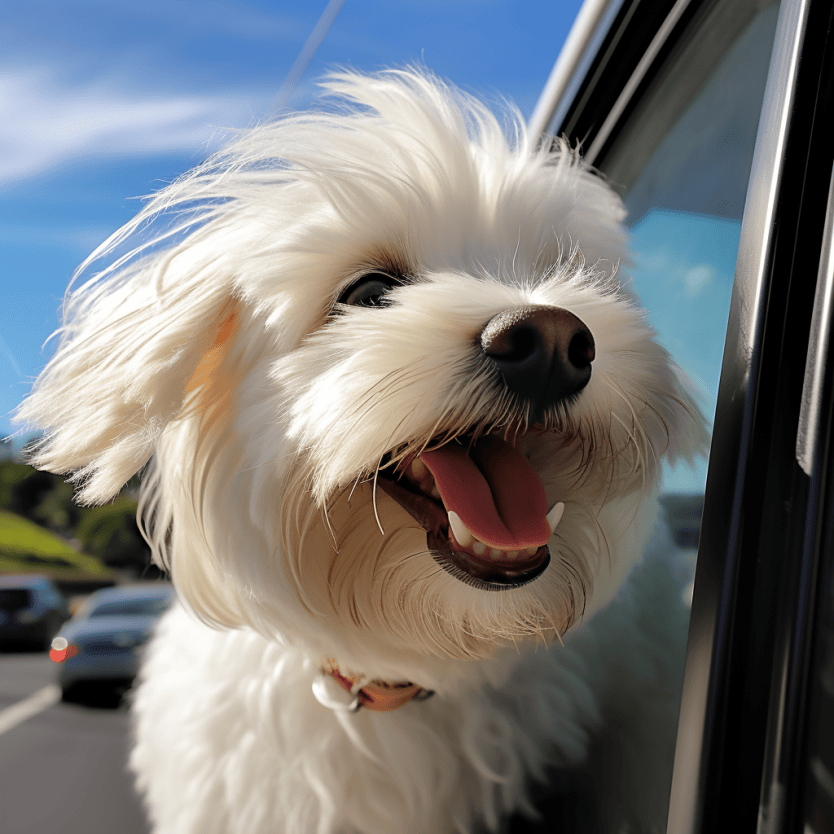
(555, 515)
(435, 492)
(418, 468)
(462, 535)
(466, 540)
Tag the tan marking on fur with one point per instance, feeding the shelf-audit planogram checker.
(208, 372)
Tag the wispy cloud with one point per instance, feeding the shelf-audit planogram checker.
(75, 238)
(45, 124)
(190, 18)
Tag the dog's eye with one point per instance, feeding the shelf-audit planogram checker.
(369, 291)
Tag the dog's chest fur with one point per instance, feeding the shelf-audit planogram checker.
(263, 756)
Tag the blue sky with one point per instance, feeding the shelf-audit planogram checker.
(103, 102)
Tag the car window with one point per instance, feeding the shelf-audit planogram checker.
(55, 597)
(682, 162)
(13, 599)
(145, 606)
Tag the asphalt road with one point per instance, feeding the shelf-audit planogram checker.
(62, 766)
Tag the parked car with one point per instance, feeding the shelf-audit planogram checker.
(32, 609)
(713, 119)
(101, 644)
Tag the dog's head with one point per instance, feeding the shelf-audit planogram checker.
(379, 353)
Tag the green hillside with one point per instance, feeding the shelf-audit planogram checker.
(27, 548)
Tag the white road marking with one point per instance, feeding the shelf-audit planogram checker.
(29, 707)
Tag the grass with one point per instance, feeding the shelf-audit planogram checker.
(27, 548)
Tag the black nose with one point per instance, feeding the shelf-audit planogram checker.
(544, 354)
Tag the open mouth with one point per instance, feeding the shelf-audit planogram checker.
(483, 508)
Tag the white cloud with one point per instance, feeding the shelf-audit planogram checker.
(699, 278)
(45, 124)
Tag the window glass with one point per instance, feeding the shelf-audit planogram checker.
(131, 606)
(13, 599)
(682, 163)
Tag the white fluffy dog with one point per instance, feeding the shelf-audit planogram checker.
(403, 426)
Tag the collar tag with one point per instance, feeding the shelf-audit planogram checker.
(339, 692)
(331, 693)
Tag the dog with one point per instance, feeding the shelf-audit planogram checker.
(400, 419)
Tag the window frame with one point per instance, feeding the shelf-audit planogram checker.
(743, 727)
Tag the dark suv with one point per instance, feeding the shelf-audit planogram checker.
(32, 609)
(713, 118)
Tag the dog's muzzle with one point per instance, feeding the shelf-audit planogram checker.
(543, 354)
(482, 504)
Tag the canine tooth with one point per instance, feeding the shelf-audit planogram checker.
(418, 468)
(555, 515)
(435, 492)
(462, 535)
(479, 548)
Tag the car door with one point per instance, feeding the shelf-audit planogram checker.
(710, 117)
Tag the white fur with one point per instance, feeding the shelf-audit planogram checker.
(264, 433)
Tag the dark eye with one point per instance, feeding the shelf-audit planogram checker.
(369, 291)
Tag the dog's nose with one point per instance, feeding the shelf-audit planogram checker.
(544, 354)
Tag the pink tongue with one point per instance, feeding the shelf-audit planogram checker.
(494, 490)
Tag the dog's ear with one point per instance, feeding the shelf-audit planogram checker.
(135, 354)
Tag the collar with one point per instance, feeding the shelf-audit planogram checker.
(344, 692)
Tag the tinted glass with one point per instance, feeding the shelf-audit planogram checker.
(13, 599)
(683, 162)
(143, 606)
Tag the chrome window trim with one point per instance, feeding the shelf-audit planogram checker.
(700, 727)
(584, 40)
(634, 81)
(819, 344)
